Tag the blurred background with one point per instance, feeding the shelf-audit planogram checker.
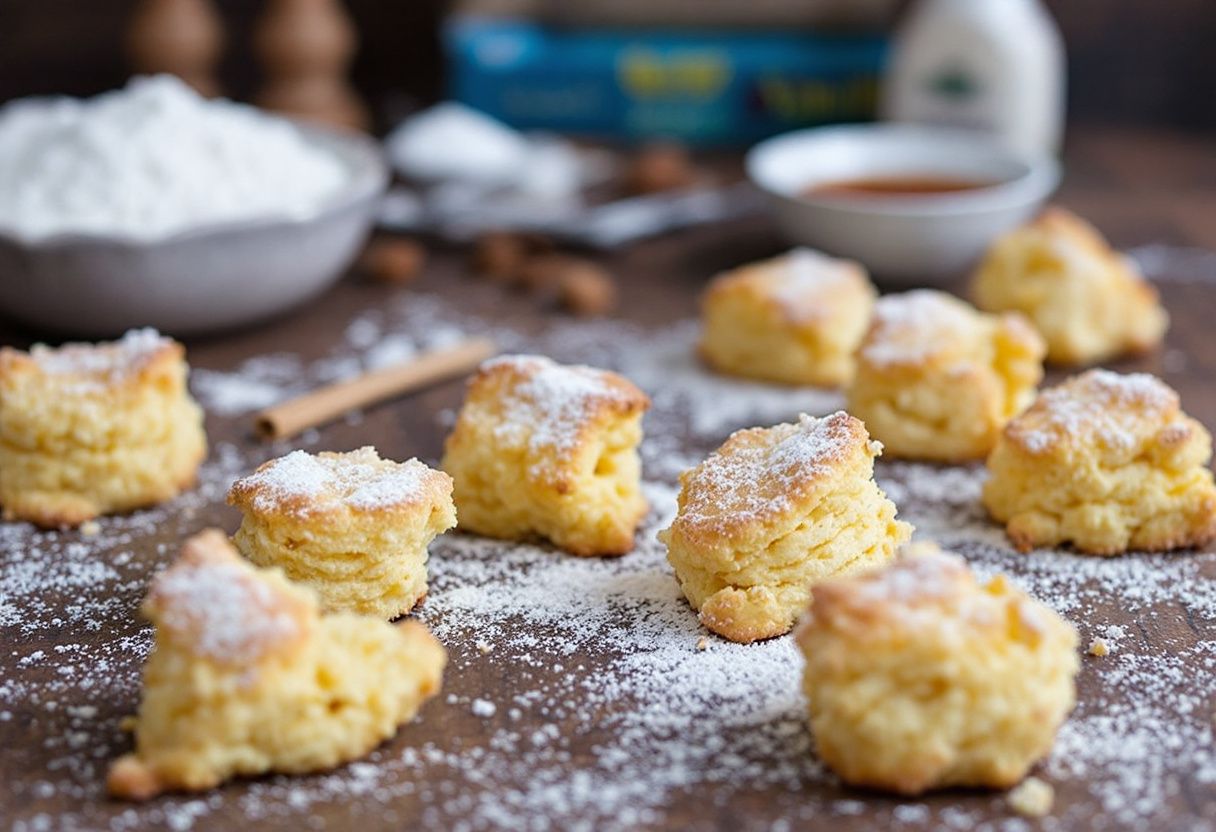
(1131, 63)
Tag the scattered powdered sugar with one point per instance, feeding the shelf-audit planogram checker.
(220, 611)
(911, 327)
(107, 363)
(802, 279)
(303, 483)
(1111, 408)
(759, 475)
(548, 406)
(604, 653)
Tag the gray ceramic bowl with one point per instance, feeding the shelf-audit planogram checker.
(203, 279)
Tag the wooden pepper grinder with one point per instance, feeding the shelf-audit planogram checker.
(305, 47)
(181, 37)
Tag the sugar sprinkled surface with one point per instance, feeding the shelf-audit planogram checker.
(1118, 411)
(304, 483)
(217, 610)
(911, 327)
(100, 365)
(803, 277)
(607, 651)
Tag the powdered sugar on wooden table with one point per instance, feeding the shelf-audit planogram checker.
(604, 653)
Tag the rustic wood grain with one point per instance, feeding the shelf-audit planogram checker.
(660, 280)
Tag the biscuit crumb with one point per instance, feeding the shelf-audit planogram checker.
(702, 643)
(484, 647)
(394, 262)
(90, 528)
(1032, 798)
(1099, 647)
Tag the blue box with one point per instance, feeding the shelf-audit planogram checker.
(710, 88)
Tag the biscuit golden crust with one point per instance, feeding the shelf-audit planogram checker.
(540, 449)
(88, 429)
(771, 512)
(353, 527)
(246, 678)
(917, 677)
(937, 380)
(1105, 462)
(793, 319)
(1089, 302)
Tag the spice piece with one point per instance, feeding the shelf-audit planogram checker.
(394, 262)
(664, 166)
(499, 255)
(586, 289)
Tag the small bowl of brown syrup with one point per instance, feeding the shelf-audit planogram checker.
(914, 204)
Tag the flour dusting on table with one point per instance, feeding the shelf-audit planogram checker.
(608, 651)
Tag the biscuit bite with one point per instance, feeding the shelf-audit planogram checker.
(546, 450)
(794, 319)
(351, 526)
(246, 677)
(1107, 463)
(918, 677)
(1089, 302)
(937, 380)
(93, 429)
(773, 511)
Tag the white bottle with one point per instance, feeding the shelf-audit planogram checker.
(991, 65)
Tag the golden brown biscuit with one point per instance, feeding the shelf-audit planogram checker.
(246, 678)
(1090, 303)
(1108, 463)
(918, 677)
(794, 319)
(937, 380)
(353, 527)
(92, 429)
(770, 513)
(542, 449)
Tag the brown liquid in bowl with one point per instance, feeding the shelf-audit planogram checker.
(887, 186)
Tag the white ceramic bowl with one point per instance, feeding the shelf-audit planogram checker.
(200, 280)
(908, 238)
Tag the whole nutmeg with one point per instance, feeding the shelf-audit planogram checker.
(500, 255)
(393, 261)
(544, 272)
(586, 290)
(661, 166)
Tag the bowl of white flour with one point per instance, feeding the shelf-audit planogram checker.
(151, 206)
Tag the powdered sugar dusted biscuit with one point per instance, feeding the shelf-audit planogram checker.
(1108, 463)
(770, 513)
(246, 678)
(918, 677)
(1090, 303)
(937, 380)
(92, 429)
(352, 526)
(546, 450)
(794, 319)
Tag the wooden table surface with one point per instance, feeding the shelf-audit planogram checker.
(73, 645)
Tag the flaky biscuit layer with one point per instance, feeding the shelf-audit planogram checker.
(1089, 302)
(353, 527)
(937, 380)
(773, 511)
(1107, 463)
(246, 678)
(917, 677)
(87, 429)
(793, 319)
(545, 450)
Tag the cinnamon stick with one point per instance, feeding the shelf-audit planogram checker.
(320, 406)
